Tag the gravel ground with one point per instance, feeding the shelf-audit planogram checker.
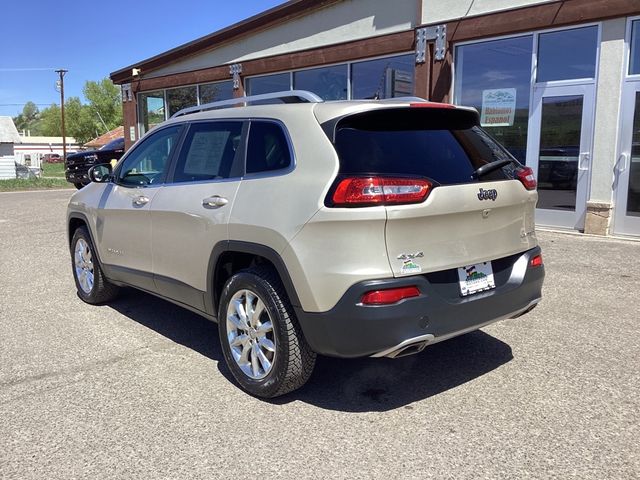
(138, 389)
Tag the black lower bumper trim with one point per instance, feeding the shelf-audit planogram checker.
(351, 329)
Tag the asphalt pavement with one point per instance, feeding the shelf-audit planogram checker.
(138, 388)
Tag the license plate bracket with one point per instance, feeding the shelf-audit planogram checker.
(476, 278)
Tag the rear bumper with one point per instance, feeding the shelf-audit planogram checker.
(351, 329)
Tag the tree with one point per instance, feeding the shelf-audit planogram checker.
(28, 119)
(82, 121)
(49, 121)
(105, 103)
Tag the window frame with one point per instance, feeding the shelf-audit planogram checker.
(148, 138)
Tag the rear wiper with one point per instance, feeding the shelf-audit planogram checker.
(491, 167)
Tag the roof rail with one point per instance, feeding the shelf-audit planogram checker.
(288, 96)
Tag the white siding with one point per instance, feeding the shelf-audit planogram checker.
(436, 11)
(345, 21)
(7, 165)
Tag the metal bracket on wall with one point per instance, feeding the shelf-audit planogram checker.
(236, 70)
(423, 35)
(127, 95)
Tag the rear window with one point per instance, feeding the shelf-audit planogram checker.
(445, 146)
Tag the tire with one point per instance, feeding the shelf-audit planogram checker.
(78, 185)
(91, 283)
(289, 359)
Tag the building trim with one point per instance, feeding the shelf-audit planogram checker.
(262, 21)
(393, 43)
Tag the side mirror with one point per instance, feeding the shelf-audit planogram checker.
(100, 173)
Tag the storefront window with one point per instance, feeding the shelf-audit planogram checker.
(567, 54)
(213, 92)
(179, 98)
(329, 83)
(383, 78)
(279, 82)
(151, 110)
(495, 78)
(634, 60)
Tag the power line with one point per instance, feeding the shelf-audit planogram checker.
(22, 104)
(27, 69)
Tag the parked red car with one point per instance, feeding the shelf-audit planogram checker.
(52, 158)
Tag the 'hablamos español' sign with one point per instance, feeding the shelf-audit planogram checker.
(498, 107)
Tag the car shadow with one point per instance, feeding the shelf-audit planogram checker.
(353, 385)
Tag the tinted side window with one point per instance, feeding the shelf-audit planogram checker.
(209, 151)
(268, 148)
(147, 163)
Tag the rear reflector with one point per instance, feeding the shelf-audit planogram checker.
(536, 261)
(389, 296)
(525, 175)
(369, 191)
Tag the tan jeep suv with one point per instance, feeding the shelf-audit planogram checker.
(303, 227)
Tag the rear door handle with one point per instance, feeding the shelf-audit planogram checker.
(215, 201)
(140, 200)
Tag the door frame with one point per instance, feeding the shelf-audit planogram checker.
(573, 220)
(624, 224)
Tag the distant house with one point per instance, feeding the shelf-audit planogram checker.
(32, 149)
(102, 140)
(8, 138)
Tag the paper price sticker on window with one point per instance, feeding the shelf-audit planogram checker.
(498, 107)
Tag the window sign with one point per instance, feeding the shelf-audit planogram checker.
(498, 107)
(486, 69)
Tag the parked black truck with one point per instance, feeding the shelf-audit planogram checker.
(76, 165)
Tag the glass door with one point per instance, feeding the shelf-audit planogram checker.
(627, 174)
(559, 152)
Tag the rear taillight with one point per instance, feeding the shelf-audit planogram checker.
(389, 296)
(369, 191)
(525, 175)
(536, 261)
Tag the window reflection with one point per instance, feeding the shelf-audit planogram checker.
(560, 130)
(633, 195)
(329, 83)
(496, 75)
(151, 108)
(567, 54)
(279, 82)
(383, 78)
(213, 92)
(634, 60)
(179, 98)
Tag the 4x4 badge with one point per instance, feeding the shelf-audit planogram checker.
(488, 194)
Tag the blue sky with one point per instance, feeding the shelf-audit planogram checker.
(91, 42)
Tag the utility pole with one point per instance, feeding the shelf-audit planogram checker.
(61, 72)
